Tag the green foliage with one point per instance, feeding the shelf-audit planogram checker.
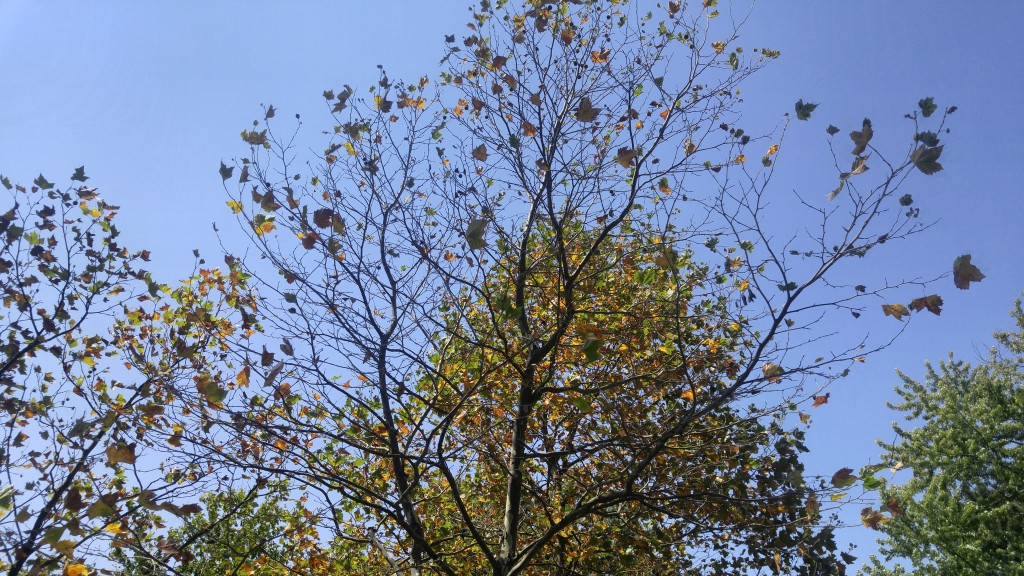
(962, 512)
(238, 533)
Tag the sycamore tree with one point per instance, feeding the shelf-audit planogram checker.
(83, 383)
(961, 512)
(529, 316)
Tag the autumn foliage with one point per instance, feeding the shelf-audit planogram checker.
(523, 316)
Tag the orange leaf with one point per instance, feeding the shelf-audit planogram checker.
(600, 57)
(529, 130)
(872, 518)
(819, 400)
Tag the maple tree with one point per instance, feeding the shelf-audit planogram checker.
(960, 511)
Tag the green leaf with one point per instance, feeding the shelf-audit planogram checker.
(927, 106)
(832, 130)
(42, 183)
(99, 508)
(79, 175)
(290, 297)
(475, 234)
(803, 110)
(927, 138)
(592, 349)
(6, 182)
(926, 159)
(225, 171)
(583, 405)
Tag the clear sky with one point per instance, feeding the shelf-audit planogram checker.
(151, 96)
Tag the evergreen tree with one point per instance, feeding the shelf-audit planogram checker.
(963, 510)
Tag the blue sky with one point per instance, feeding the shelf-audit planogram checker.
(151, 96)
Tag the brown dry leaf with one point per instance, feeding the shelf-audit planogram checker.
(964, 272)
(872, 518)
(586, 112)
(843, 477)
(480, 153)
(932, 303)
(862, 137)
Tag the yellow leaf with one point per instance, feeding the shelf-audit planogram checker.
(242, 378)
(67, 548)
(740, 159)
(115, 528)
(76, 570)
(600, 57)
(175, 438)
(718, 46)
(121, 452)
(235, 206)
(350, 149)
(897, 311)
(773, 149)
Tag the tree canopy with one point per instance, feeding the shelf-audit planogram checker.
(961, 511)
(528, 315)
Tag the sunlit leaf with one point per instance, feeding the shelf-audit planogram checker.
(872, 518)
(897, 311)
(862, 137)
(820, 400)
(121, 453)
(475, 233)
